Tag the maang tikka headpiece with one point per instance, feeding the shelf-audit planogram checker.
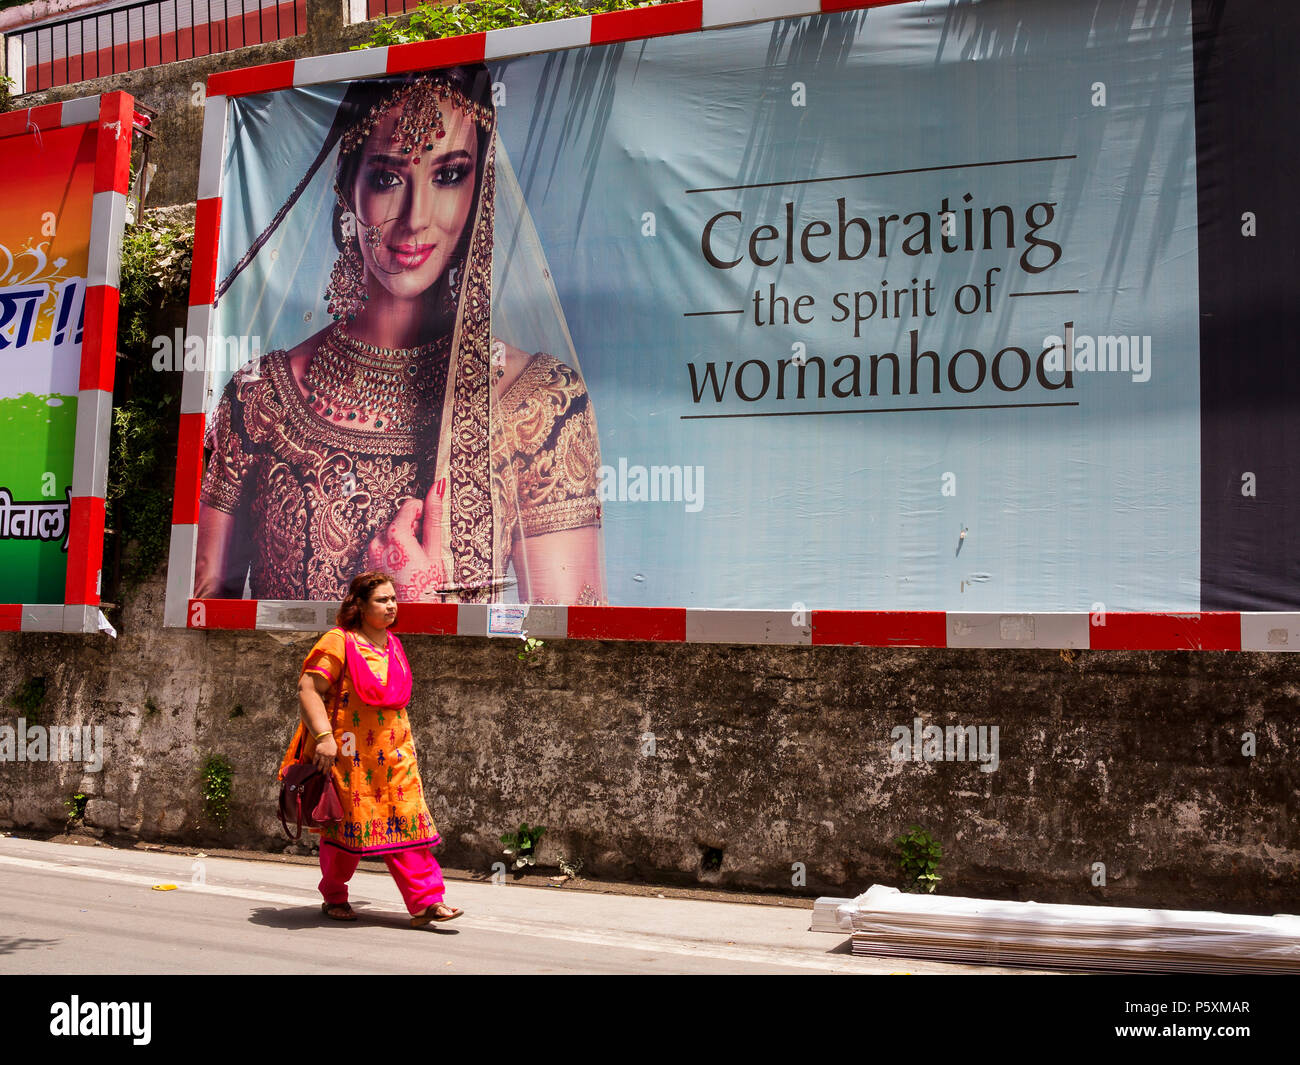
(420, 125)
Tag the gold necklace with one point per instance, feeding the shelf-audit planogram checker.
(382, 388)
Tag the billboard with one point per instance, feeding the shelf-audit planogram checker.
(62, 206)
(892, 310)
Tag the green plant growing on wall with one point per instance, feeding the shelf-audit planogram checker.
(216, 773)
(522, 845)
(155, 270)
(429, 22)
(150, 707)
(155, 273)
(6, 89)
(76, 805)
(531, 651)
(919, 854)
(29, 697)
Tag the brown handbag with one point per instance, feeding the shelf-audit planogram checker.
(308, 796)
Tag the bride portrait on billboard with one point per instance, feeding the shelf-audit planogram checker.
(410, 434)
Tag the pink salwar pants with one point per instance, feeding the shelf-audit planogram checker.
(418, 876)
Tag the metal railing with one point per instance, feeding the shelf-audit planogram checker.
(144, 35)
(386, 8)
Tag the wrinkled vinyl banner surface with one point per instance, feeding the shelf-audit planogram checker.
(917, 308)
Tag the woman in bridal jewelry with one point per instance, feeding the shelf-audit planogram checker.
(404, 437)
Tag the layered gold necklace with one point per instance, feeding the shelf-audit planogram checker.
(363, 386)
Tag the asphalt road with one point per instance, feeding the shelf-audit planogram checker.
(95, 911)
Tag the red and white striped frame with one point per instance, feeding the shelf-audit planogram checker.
(1145, 631)
(111, 114)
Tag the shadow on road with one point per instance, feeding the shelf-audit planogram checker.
(10, 944)
(295, 918)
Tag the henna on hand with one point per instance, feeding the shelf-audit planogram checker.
(424, 583)
(409, 549)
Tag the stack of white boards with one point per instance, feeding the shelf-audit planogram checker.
(826, 916)
(887, 922)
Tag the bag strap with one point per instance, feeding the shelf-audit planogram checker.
(338, 699)
(302, 739)
(297, 820)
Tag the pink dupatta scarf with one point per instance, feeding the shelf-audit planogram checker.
(396, 693)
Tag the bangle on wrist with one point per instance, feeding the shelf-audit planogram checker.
(321, 735)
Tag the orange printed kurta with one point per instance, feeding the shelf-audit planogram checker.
(379, 784)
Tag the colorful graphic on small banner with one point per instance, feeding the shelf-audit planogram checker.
(45, 210)
(866, 311)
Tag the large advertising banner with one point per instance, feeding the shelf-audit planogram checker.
(45, 209)
(884, 310)
(64, 169)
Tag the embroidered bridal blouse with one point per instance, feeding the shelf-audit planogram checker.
(309, 492)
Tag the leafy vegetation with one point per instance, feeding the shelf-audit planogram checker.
(428, 22)
(216, 774)
(531, 651)
(919, 854)
(155, 271)
(522, 845)
(155, 275)
(76, 805)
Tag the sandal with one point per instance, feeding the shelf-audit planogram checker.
(338, 911)
(431, 915)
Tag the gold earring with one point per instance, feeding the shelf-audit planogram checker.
(347, 287)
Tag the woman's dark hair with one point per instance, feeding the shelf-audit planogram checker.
(473, 81)
(359, 592)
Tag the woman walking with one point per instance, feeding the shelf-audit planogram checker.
(354, 691)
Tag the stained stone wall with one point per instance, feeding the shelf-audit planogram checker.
(641, 759)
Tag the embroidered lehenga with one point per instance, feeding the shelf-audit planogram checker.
(311, 492)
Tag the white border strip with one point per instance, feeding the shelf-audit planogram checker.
(80, 111)
(541, 622)
(81, 618)
(1017, 630)
(42, 617)
(194, 385)
(719, 14)
(107, 220)
(284, 614)
(316, 70)
(180, 575)
(540, 37)
(212, 150)
(1270, 632)
(90, 464)
(748, 626)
